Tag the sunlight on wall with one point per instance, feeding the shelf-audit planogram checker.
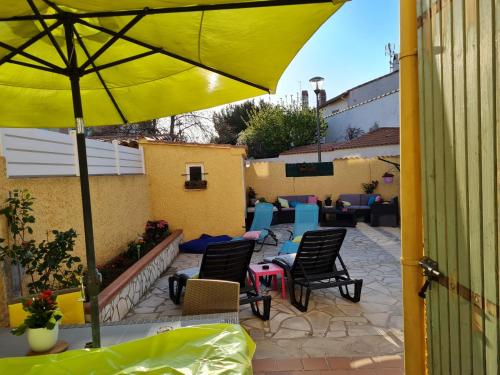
(269, 179)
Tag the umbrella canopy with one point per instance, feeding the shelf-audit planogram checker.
(137, 63)
(121, 61)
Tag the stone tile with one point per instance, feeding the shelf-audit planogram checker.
(336, 333)
(152, 301)
(320, 322)
(364, 331)
(285, 333)
(275, 323)
(378, 319)
(337, 326)
(254, 323)
(297, 323)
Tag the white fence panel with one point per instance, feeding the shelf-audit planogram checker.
(130, 160)
(34, 152)
(101, 158)
(37, 153)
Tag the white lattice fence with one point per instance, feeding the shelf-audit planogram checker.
(39, 153)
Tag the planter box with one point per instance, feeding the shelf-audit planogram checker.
(70, 303)
(121, 295)
(195, 185)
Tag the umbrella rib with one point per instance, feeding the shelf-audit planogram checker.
(53, 67)
(39, 67)
(185, 9)
(118, 62)
(110, 42)
(49, 34)
(28, 43)
(108, 91)
(175, 56)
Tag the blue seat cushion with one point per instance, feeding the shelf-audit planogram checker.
(289, 247)
(199, 245)
(189, 273)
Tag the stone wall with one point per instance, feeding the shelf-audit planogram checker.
(119, 297)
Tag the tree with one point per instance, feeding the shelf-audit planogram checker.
(187, 127)
(231, 120)
(276, 128)
(353, 133)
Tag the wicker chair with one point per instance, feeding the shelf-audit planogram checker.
(228, 261)
(317, 265)
(211, 297)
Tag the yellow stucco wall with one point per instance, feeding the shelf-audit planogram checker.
(120, 209)
(269, 180)
(219, 209)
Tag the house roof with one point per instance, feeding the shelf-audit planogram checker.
(345, 93)
(135, 140)
(378, 137)
(191, 144)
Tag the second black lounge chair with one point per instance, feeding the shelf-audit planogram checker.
(317, 265)
(228, 261)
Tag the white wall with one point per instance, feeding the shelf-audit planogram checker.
(383, 110)
(372, 90)
(357, 95)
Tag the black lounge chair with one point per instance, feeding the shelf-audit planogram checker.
(315, 266)
(228, 261)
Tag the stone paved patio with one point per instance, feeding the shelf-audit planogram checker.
(332, 326)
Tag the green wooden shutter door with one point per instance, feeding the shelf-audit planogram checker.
(459, 74)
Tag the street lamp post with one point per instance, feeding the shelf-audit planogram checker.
(317, 85)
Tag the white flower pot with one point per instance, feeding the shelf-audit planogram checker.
(42, 339)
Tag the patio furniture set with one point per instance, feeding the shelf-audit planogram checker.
(360, 208)
(310, 259)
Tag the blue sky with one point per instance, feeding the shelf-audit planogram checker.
(347, 50)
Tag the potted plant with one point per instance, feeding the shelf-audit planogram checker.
(388, 177)
(251, 196)
(328, 200)
(370, 187)
(42, 322)
(48, 265)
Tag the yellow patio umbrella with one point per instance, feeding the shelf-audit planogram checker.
(123, 61)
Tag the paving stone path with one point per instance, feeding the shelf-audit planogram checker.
(332, 326)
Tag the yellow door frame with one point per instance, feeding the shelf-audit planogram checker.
(411, 193)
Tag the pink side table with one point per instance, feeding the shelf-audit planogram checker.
(273, 270)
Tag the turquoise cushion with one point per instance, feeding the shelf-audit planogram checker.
(289, 247)
(293, 204)
(371, 201)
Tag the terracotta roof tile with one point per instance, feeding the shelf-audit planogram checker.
(307, 149)
(378, 137)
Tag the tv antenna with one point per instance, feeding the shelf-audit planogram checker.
(390, 51)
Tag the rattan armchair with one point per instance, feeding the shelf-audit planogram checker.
(204, 296)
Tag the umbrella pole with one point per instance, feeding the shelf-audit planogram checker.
(92, 284)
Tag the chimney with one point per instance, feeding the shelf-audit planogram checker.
(395, 63)
(322, 97)
(305, 99)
